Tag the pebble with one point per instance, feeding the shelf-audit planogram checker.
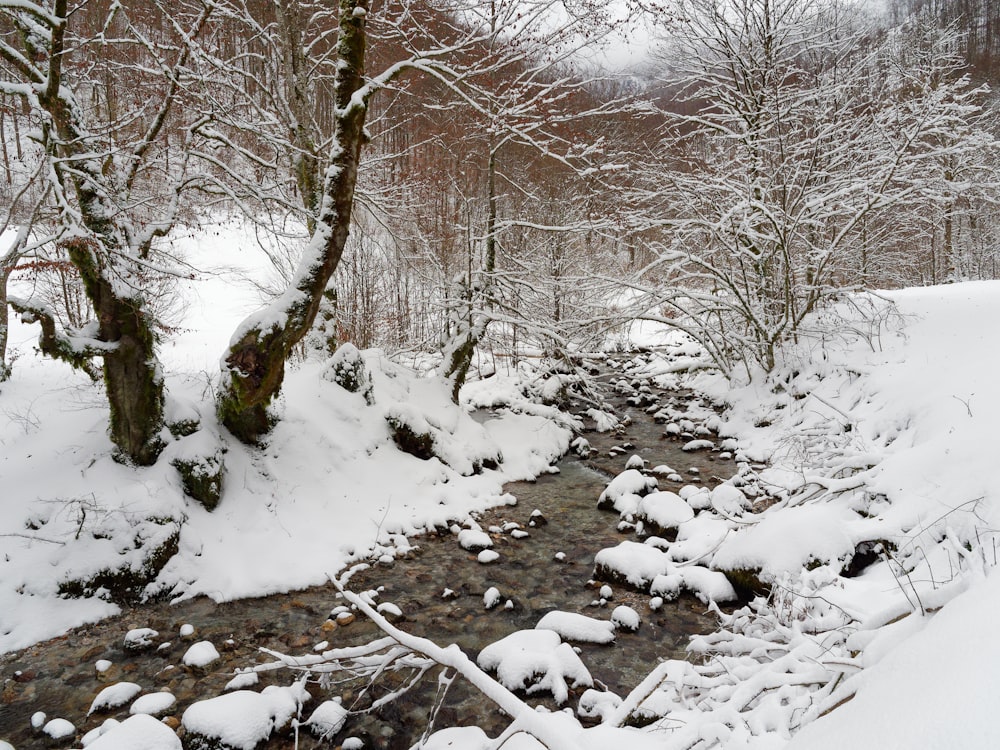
(345, 618)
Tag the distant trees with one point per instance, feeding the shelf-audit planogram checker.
(810, 138)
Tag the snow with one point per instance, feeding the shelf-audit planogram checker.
(114, 696)
(882, 438)
(328, 718)
(535, 661)
(577, 627)
(139, 732)
(941, 685)
(153, 704)
(59, 729)
(244, 718)
(625, 617)
(200, 654)
(139, 638)
(102, 665)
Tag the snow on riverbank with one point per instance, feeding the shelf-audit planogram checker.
(329, 487)
(880, 444)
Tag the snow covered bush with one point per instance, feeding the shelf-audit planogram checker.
(347, 369)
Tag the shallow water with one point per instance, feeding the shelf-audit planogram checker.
(59, 677)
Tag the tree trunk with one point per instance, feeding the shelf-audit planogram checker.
(4, 322)
(131, 373)
(254, 365)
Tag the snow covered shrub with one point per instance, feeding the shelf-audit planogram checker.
(347, 369)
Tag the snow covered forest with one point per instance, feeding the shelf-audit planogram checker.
(291, 292)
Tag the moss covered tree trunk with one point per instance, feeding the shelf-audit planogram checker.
(131, 372)
(254, 365)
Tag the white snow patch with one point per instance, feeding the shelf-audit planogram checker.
(576, 627)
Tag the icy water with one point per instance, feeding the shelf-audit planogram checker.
(59, 676)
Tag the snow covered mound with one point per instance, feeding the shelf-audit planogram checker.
(879, 549)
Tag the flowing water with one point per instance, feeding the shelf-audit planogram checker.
(59, 676)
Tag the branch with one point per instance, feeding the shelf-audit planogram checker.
(77, 350)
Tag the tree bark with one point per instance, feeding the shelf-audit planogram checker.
(254, 365)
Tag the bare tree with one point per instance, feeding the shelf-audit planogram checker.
(806, 136)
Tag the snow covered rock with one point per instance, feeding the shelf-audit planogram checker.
(662, 512)
(347, 369)
(576, 627)
(635, 462)
(707, 585)
(632, 563)
(474, 540)
(625, 618)
(787, 541)
(536, 661)
(581, 447)
(488, 556)
(623, 492)
(153, 704)
(114, 696)
(697, 445)
(597, 704)
(201, 654)
(241, 720)
(491, 598)
(139, 639)
(140, 732)
(59, 729)
(728, 500)
(425, 423)
(328, 719)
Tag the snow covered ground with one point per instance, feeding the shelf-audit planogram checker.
(329, 488)
(875, 434)
(879, 547)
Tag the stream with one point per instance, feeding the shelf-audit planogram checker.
(59, 676)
